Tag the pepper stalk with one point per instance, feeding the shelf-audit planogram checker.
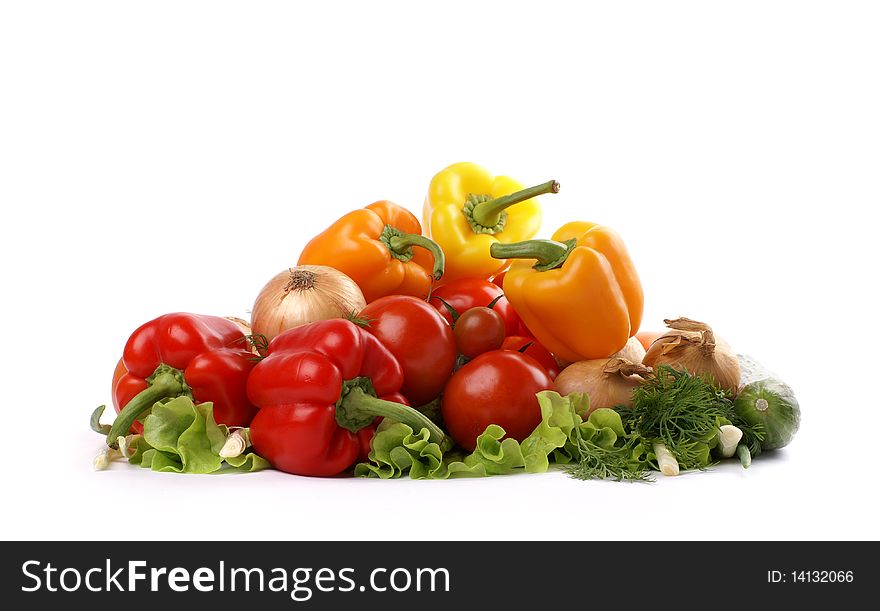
(401, 246)
(165, 383)
(548, 254)
(359, 406)
(486, 214)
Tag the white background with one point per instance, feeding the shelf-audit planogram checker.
(169, 156)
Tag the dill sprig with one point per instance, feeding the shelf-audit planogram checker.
(592, 461)
(596, 462)
(682, 412)
(753, 434)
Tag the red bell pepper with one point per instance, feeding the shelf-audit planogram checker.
(320, 390)
(204, 357)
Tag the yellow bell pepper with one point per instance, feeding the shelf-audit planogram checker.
(582, 299)
(468, 209)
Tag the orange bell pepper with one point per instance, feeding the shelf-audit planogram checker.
(374, 246)
(582, 299)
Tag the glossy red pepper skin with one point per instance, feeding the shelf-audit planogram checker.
(124, 389)
(297, 387)
(211, 351)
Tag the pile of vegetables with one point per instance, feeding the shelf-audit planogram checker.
(446, 350)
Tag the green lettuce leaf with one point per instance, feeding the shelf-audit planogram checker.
(596, 448)
(559, 417)
(397, 450)
(493, 455)
(182, 437)
(600, 448)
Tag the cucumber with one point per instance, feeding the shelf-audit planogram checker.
(767, 400)
(752, 371)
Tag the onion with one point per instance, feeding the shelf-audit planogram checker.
(241, 323)
(304, 294)
(609, 382)
(245, 327)
(634, 351)
(694, 347)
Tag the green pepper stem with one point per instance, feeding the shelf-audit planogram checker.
(401, 244)
(546, 252)
(488, 213)
(357, 403)
(165, 383)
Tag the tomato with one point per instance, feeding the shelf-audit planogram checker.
(497, 387)
(466, 293)
(420, 339)
(479, 330)
(534, 350)
(648, 337)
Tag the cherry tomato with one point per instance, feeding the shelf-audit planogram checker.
(479, 330)
(534, 350)
(497, 387)
(420, 339)
(466, 293)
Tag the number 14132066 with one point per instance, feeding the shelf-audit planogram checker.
(810, 577)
